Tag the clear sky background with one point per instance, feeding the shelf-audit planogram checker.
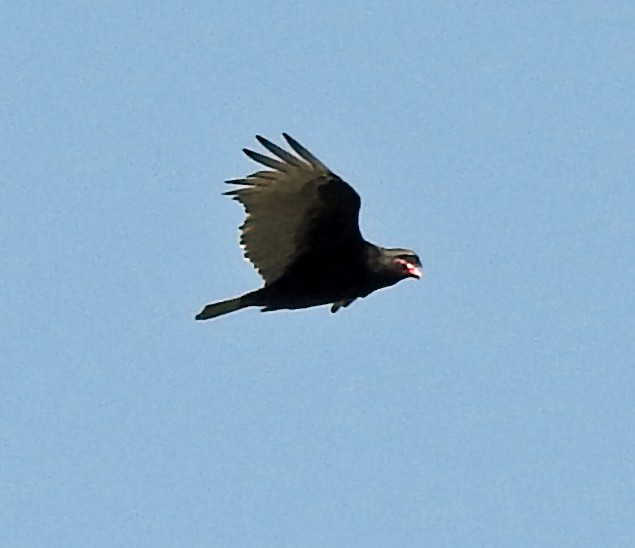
(490, 404)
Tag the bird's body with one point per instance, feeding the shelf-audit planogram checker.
(302, 235)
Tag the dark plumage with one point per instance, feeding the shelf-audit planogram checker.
(302, 235)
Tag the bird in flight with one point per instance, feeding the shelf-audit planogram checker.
(302, 235)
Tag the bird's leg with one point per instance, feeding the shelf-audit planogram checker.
(341, 304)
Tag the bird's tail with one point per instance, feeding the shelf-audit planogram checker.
(225, 307)
(218, 309)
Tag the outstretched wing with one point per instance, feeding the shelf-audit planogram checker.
(296, 206)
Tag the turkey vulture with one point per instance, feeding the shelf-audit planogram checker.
(302, 235)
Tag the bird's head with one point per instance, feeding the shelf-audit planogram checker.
(403, 263)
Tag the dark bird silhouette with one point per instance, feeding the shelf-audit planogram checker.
(302, 235)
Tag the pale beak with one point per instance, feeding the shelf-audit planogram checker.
(414, 271)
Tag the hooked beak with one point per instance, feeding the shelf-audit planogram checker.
(414, 271)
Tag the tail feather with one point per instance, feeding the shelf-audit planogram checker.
(223, 307)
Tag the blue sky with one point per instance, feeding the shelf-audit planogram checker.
(490, 404)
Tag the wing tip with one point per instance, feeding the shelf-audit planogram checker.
(305, 154)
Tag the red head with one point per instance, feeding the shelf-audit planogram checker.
(403, 263)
